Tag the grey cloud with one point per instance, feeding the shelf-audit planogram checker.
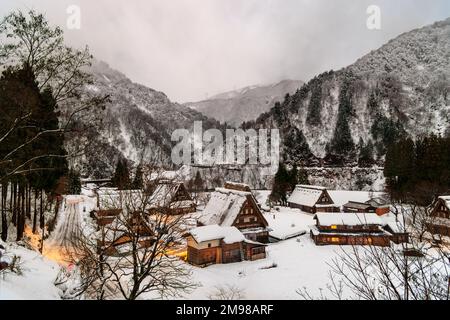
(191, 48)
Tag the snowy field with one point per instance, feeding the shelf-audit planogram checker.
(299, 263)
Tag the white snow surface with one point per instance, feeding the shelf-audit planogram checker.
(229, 235)
(37, 280)
(223, 207)
(348, 219)
(306, 195)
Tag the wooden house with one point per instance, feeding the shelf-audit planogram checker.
(438, 221)
(105, 217)
(358, 207)
(214, 244)
(381, 206)
(349, 229)
(116, 237)
(233, 208)
(312, 199)
(173, 198)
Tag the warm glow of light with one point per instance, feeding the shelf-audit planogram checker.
(180, 253)
(55, 253)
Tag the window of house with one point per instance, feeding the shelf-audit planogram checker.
(209, 245)
(334, 239)
(333, 227)
(246, 220)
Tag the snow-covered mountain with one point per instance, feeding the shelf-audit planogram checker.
(401, 88)
(246, 104)
(136, 124)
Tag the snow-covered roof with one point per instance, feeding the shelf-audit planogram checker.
(237, 186)
(229, 235)
(396, 225)
(223, 207)
(306, 195)
(377, 202)
(163, 194)
(446, 200)
(111, 198)
(357, 205)
(348, 219)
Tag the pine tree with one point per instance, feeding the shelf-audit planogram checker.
(199, 184)
(366, 151)
(121, 178)
(281, 186)
(342, 147)
(315, 103)
(303, 177)
(74, 182)
(138, 182)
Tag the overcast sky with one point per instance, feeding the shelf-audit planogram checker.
(190, 49)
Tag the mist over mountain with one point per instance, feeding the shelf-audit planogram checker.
(246, 104)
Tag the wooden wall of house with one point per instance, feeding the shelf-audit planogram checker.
(301, 207)
(440, 210)
(350, 229)
(232, 252)
(326, 209)
(382, 211)
(254, 252)
(203, 256)
(249, 217)
(337, 239)
(182, 194)
(435, 228)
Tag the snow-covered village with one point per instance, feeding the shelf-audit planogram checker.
(333, 187)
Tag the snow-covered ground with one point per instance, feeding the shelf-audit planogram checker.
(290, 265)
(36, 281)
(299, 263)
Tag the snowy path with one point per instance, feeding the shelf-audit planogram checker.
(69, 227)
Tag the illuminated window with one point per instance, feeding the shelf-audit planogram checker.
(334, 239)
(333, 227)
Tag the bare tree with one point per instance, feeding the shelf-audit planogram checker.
(136, 253)
(227, 292)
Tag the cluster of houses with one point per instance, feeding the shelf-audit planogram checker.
(358, 223)
(168, 197)
(232, 227)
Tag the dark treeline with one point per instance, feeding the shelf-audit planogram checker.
(40, 73)
(419, 169)
(27, 169)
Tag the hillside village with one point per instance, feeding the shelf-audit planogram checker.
(98, 201)
(236, 227)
